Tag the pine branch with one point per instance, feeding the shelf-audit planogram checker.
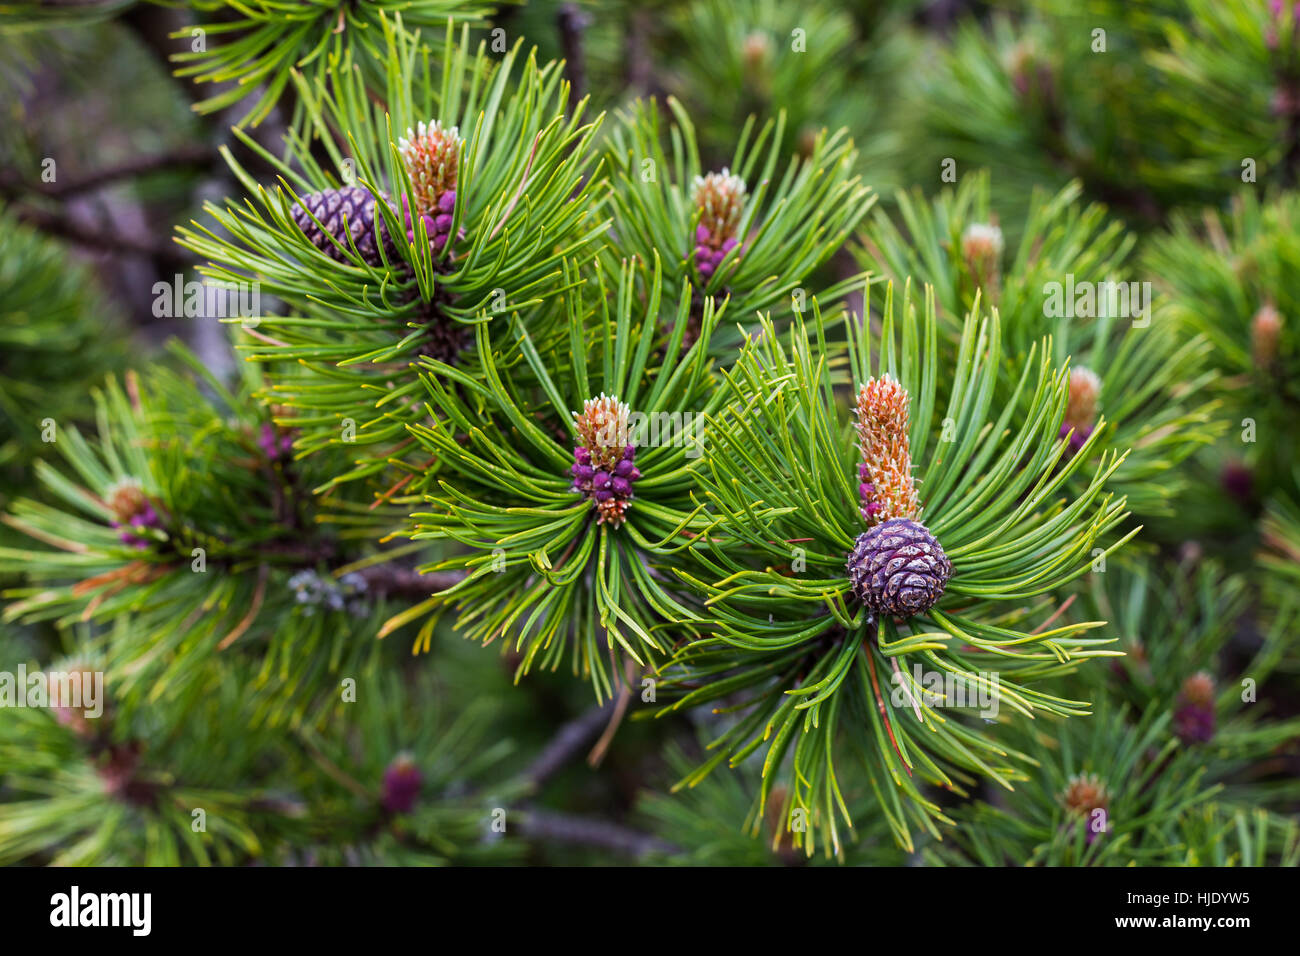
(182, 157)
(104, 240)
(571, 738)
(572, 22)
(566, 828)
(404, 582)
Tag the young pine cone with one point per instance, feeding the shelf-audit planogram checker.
(332, 207)
(898, 568)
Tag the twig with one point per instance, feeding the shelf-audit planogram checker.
(184, 156)
(567, 743)
(61, 225)
(571, 22)
(565, 828)
(597, 755)
(390, 579)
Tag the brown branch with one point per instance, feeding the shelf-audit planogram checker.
(403, 582)
(571, 21)
(602, 834)
(567, 743)
(198, 157)
(103, 240)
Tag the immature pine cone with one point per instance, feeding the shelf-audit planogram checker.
(1265, 333)
(898, 568)
(431, 155)
(720, 198)
(332, 207)
(1084, 796)
(1194, 714)
(1081, 409)
(604, 461)
(402, 782)
(132, 511)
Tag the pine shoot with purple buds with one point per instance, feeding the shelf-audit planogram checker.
(604, 468)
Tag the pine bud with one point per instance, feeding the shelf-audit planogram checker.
(1081, 407)
(755, 52)
(604, 469)
(898, 568)
(402, 782)
(887, 489)
(1265, 332)
(981, 250)
(720, 199)
(276, 443)
(132, 511)
(1238, 481)
(1083, 797)
(1194, 715)
(343, 212)
(431, 156)
(1030, 72)
(1084, 794)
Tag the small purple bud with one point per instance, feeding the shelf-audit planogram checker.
(582, 455)
(439, 241)
(583, 472)
(624, 468)
(701, 233)
(603, 495)
(447, 201)
(634, 474)
(706, 269)
(629, 452)
(401, 788)
(729, 245)
(442, 223)
(600, 479)
(621, 486)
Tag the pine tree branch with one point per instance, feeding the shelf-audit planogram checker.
(61, 225)
(568, 741)
(182, 157)
(571, 22)
(403, 582)
(566, 828)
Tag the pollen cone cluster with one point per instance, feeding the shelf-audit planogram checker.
(431, 156)
(887, 488)
(604, 468)
(1081, 409)
(720, 198)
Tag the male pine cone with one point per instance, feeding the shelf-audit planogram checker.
(340, 211)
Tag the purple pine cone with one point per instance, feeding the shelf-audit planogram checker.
(402, 782)
(898, 568)
(1080, 436)
(1194, 723)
